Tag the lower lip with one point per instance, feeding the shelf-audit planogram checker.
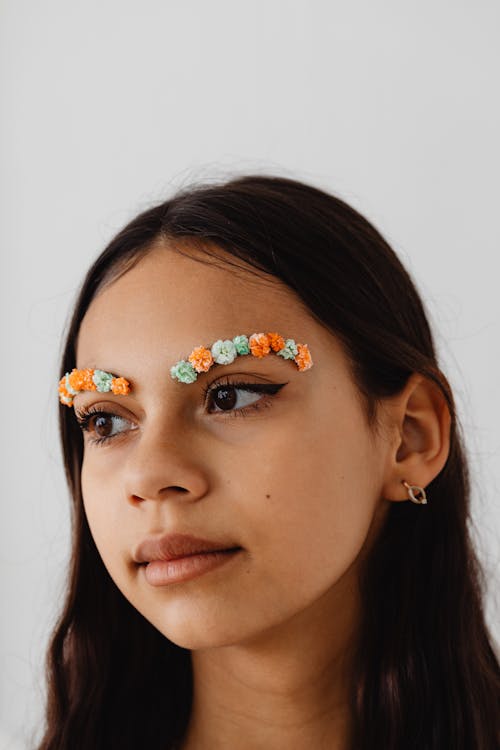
(161, 572)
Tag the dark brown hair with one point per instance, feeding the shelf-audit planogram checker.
(426, 675)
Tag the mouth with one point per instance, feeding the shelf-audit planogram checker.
(187, 567)
(192, 554)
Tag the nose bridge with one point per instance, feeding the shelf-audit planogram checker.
(162, 463)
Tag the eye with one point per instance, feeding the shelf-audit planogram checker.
(225, 396)
(100, 422)
(222, 398)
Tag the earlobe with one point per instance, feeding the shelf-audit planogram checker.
(421, 424)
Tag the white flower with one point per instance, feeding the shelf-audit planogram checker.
(224, 352)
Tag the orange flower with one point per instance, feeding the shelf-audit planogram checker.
(63, 393)
(120, 386)
(76, 379)
(303, 358)
(88, 383)
(201, 359)
(81, 380)
(277, 342)
(260, 344)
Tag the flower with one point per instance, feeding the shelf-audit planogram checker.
(241, 344)
(81, 380)
(89, 380)
(102, 380)
(69, 389)
(65, 397)
(76, 379)
(224, 352)
(276, 341)
(303, 358)
(259, 344)
(120, 386)
(201, 359)
(183, 371)
(68, 400)
(289, 351)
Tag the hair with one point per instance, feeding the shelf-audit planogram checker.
(425, 674)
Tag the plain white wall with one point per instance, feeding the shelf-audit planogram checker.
(109, 106)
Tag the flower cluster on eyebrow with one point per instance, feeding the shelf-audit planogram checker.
(223, 352)
(201, 359)
(90, 380)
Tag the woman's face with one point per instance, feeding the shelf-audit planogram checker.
(296, 483)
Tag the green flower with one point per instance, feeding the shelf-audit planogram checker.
(241, 344)
(289, 351)
(183, 371)
(102, 380)
(224, 352)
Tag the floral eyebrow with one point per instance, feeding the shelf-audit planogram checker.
(90, 380)
(224, 352)
(201, 359)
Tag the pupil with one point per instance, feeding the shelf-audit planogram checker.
(229, 402)
(98, 427)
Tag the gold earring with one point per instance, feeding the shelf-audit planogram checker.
(413, 491)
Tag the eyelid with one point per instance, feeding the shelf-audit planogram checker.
(84, 414)
(112, 410)
(243, 385)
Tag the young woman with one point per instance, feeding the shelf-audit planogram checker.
(270, 497)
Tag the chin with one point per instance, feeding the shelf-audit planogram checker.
(195, 632)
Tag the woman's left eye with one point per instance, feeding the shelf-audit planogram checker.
(224, 397)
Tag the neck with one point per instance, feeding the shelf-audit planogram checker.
(286, 687)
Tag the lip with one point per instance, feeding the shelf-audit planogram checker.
(161, 573)
(175, 546)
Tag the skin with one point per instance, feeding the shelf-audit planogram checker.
(303, 486)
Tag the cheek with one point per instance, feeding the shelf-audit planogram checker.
(100, 510)
(312, 503)
(94, 488)
(301, 503)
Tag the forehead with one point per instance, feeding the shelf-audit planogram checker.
(170, 302)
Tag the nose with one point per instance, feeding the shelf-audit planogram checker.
(164, 464)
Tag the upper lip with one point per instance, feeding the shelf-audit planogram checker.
(172, 546)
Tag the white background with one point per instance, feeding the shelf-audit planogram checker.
(109, 106)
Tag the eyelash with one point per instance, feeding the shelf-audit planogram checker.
(84, 415)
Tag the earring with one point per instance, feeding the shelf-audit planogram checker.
(412, 489)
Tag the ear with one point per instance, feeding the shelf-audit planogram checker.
(419, 427)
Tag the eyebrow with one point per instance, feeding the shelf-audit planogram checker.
(186, 370)
(133, 384)
(225, 352)
(213, 368)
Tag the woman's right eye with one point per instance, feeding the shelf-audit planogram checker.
(98, 422)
